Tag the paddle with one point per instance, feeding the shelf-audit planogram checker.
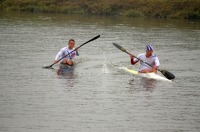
(73, 51)
(167, 74)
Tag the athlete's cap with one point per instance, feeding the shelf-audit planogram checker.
(149, 47)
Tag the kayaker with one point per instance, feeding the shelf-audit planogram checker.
(65, 51)
(149, 58)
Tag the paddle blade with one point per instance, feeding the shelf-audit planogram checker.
(119, 47)
(95, 38)
(167, 74)
(89, 40)
(47, 67)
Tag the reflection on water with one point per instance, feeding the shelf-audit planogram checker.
(67, 75)
(148, 84)
(145, 84)
(69, 78)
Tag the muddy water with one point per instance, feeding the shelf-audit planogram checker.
(97, 96)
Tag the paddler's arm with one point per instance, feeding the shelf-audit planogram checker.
(58, 56)
(157, 64)
(154, 69)
(76, 49)
(132, 59)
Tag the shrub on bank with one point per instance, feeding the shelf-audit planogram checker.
(186, 9)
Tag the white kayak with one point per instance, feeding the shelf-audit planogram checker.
(146, 75)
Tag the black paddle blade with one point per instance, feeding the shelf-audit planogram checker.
(95, 37)
(119, 47)
(47, 67)
(167, 74)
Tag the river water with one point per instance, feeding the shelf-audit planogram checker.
(97, 96)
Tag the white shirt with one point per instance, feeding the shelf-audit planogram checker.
(152, 60)
(65, 51)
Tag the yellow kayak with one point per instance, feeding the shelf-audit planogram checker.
(146, 75)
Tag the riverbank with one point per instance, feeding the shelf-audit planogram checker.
(168, 9)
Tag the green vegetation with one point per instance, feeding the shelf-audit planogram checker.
(178, 9)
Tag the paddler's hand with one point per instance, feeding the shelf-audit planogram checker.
(132, 56)
(145, 71)
(55, 61)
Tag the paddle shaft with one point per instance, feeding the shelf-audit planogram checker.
(76, 49)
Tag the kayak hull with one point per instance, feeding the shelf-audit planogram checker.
(146, 75)
(63, 69)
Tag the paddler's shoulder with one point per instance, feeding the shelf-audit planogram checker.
(64, 48)
(154, 55)
(142, 54)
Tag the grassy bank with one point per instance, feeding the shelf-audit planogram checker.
(179, 9)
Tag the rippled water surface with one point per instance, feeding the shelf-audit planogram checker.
(97, 96)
